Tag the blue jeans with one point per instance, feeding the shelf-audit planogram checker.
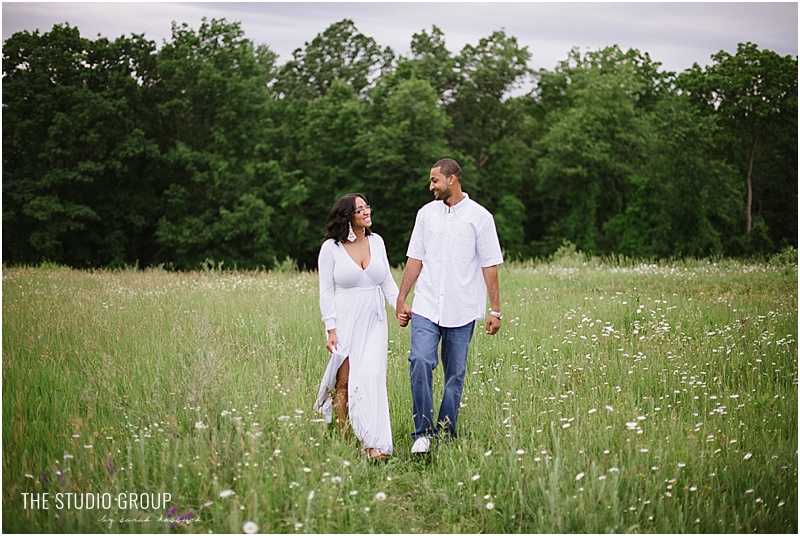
(425, 337)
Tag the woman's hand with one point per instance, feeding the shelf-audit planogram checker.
(333, 340)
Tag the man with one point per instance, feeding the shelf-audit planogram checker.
(453, 255)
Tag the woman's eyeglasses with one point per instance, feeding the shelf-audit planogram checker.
(360, 210)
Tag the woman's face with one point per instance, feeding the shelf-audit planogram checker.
(362, 217)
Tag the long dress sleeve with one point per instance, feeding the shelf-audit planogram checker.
(327, 288)
(388, 284)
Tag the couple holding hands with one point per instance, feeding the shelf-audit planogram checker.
(453, 255)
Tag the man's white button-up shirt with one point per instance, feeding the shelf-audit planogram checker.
(454, 244)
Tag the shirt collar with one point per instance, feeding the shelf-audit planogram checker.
(455, 209)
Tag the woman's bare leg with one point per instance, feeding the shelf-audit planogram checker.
(340, 397)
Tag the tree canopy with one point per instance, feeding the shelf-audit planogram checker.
(207, 149)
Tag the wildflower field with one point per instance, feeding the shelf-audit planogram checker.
(618, 397)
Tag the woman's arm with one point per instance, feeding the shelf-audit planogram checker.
(327, 292)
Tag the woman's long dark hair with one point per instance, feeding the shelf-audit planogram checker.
(340, 216)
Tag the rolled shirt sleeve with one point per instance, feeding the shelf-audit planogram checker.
(416, 244)
(488, 245)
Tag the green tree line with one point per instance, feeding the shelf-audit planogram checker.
(207, 149)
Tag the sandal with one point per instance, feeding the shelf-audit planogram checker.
(375, 454)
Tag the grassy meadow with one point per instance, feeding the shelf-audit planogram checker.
(618, 397)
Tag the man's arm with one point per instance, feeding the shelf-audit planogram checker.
(410, 275)
(493, 288)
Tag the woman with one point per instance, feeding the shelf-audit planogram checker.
(354, 281)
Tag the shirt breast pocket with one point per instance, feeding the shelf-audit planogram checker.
(463, 244)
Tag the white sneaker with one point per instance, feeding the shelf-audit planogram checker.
(421, 446)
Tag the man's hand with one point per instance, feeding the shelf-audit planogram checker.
(492, 325)
(403, 313)
(410, 275)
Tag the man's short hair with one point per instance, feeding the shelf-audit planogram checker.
(448, 166)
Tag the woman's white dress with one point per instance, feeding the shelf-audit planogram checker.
(351, 300)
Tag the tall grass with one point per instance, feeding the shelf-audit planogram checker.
(618, 397)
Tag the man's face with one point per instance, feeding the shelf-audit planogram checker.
(440, 185)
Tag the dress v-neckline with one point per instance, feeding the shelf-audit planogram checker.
(369, 247)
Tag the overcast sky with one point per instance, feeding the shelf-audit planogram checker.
(675, 34)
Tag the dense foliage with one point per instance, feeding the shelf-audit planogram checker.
(208, 150)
